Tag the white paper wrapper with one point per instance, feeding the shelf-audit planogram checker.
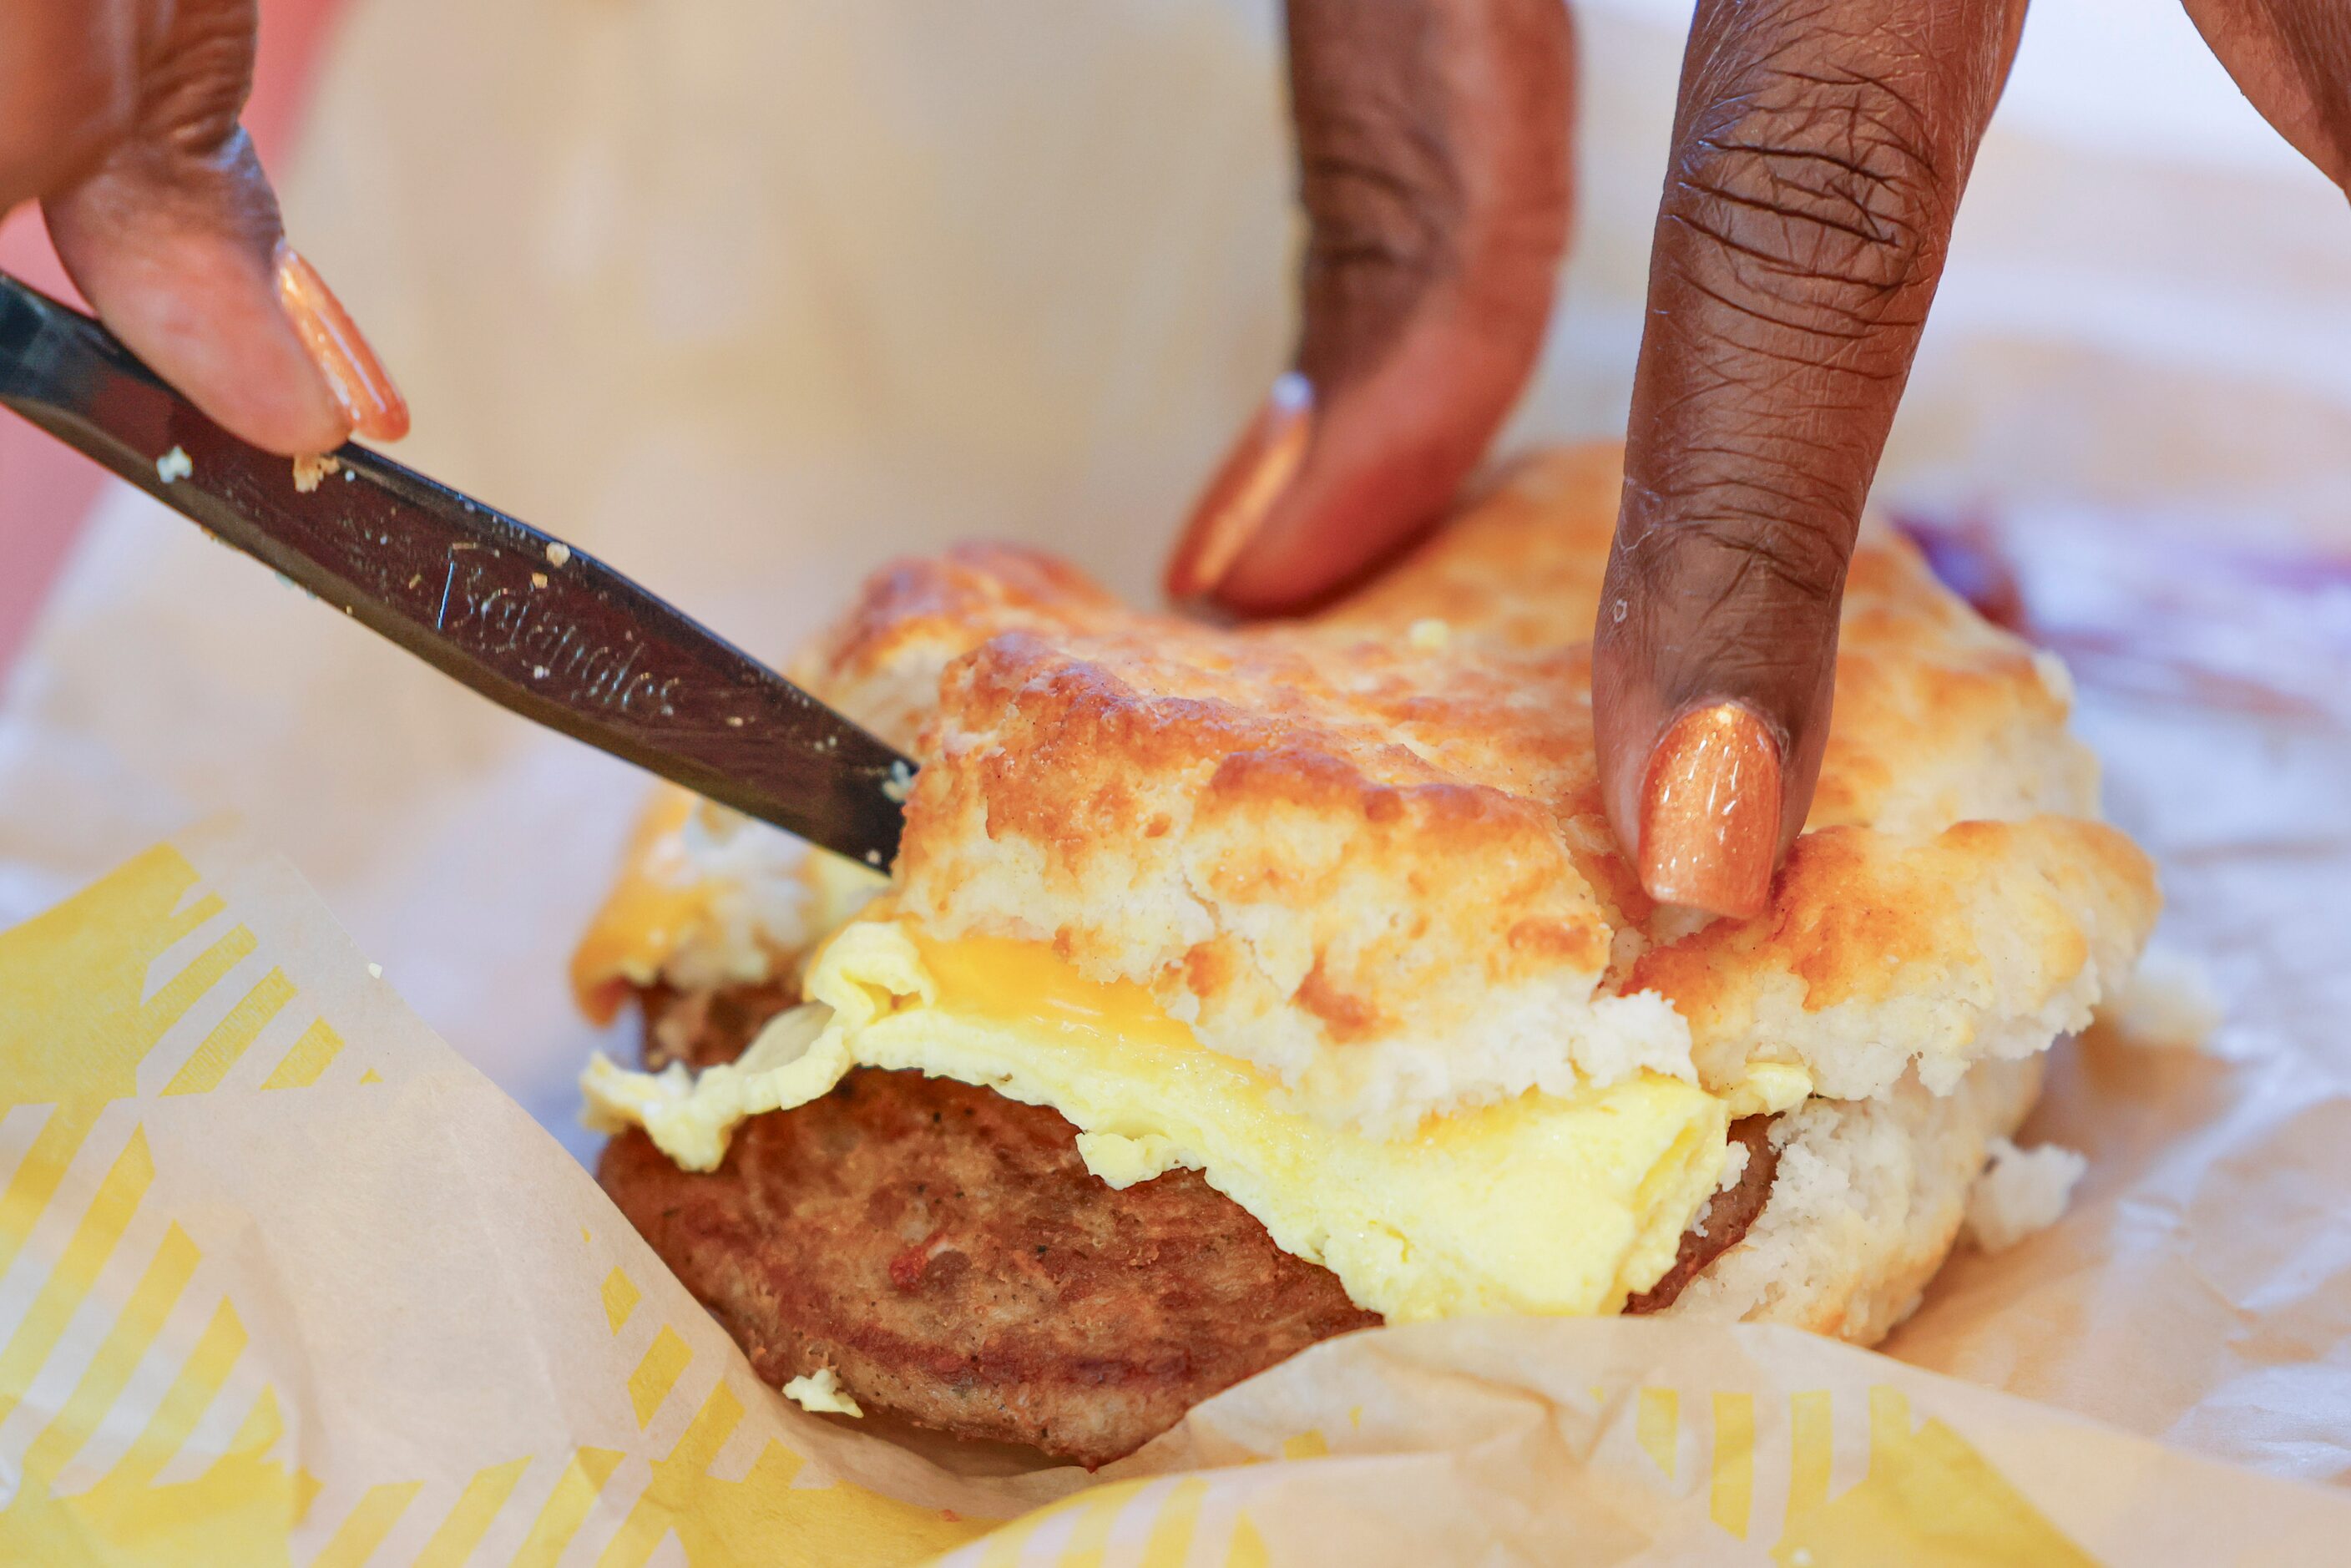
(286, 1281)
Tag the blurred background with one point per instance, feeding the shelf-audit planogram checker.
(748, 295)
(935, 268)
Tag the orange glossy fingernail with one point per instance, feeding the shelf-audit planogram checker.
(357, 378)
(1237, 502)
(1710, 812)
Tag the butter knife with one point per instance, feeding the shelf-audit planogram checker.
(521, 617)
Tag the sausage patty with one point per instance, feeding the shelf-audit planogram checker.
(1723, 1222)
(944, 1250)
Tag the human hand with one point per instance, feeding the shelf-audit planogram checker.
(1434, 169)
(1820, 151)
(121, 118)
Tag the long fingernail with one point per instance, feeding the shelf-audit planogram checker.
(353, 373)
(1237, 502)
(1710, 812)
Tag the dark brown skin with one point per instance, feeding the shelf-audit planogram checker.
(121, 118)
(1820, 149)
(1819, 156)
(1434, 169)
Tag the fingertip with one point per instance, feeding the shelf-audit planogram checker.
(1233, 507)
(1381, 474)
(1709, 811)
(206, 325)
(338, 350)
(196, 301)
(1388, 454)
(185, 261)
(1706, 777)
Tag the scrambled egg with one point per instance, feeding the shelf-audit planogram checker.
(707, 896)
(1541, 1204)
(645, 916)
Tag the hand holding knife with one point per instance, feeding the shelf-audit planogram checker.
(518, 615)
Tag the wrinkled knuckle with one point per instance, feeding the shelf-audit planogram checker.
(1384, 204)
(1778, 557)
(1754, 594)
(1816, 196)
(196, 82)
(1742, 547)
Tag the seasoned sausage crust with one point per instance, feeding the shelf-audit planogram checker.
(947, 1253)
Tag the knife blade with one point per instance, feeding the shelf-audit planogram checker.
(521, 617)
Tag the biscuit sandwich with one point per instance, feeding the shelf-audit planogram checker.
(1238, 988)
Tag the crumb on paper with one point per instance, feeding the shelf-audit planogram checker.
(557, 553)
(375, 971)
(1431, 636)
(2021, 1192)
(900, 784)
(822, 1392)
(308, 470)
(538, 579)
(2167, 1003)
(173, 465)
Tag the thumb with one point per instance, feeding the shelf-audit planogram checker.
(1433, 157)
(174, 238)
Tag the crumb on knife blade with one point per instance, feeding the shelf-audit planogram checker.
(311, 468)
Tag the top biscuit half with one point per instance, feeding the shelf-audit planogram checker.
(1366, 851)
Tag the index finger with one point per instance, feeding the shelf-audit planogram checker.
(1819, 152)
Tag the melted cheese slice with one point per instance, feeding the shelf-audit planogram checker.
(1541, 1204)
(653, 908)
(688, 899)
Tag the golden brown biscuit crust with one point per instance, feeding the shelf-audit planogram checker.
(1366, 851)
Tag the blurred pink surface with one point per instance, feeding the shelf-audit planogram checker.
(45, 491)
